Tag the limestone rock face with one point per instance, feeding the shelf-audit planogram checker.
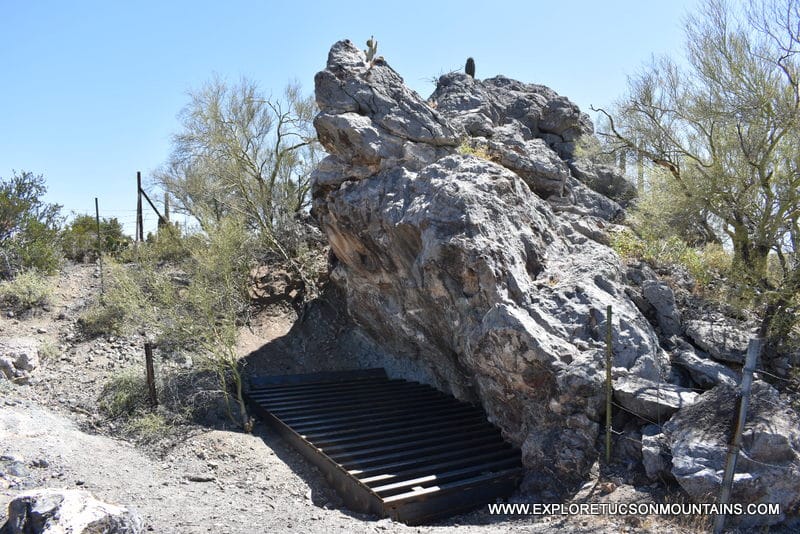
(50, 511)
(768, 468)
(656, 458)
(721, 337)
(651, 400)
(459, 269)
(703, 370)
(479, 106)
(660, 296)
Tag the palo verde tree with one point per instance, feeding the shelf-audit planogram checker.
(241, 152)
(724, 128)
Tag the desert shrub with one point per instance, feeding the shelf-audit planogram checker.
(195, 305)
(705, 263)
(28, 290)
(28, 226)
(167, 245)
(79, 239)
(124, 394)
(48, 350)
(125, 398)
(126, 304)
(467, 148)
(148, 426)
(38, 248)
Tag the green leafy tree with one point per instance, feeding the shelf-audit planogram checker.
(724, 128)
(28, 225)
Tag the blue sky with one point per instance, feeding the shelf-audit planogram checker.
(90, 91)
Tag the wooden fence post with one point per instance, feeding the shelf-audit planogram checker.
(139, 221)
(99, 245)
(150, 374)
(753, 350)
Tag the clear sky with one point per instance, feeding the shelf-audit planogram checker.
(90, 90)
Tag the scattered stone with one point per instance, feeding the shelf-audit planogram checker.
(17, 469)
(50, 511)
(18, 358)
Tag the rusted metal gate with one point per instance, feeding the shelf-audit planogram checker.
(392, 448)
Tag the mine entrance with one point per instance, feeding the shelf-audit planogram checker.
(390, 447)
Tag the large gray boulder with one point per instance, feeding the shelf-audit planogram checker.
(660, 296)
(652, 401)
(458, 270)
(656, 458)
(723, 338)
(702, 369)
(606, 180)
(51, 511)
(768, 467)
(477, 106)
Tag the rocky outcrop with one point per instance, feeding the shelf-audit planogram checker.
(659, 295)
(487, 277)
(723, 338)
(652, 401)
(704, 371)
(656, 457)
(768, 468)
(18, 358)
(49, 511)
(480, 106)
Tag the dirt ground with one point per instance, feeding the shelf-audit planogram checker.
(205, 478)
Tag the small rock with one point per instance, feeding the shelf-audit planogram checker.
(17, 469)
(201, 478)
(80, 482)
(41, 330)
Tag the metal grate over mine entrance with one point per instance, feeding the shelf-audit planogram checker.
(392, 448)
